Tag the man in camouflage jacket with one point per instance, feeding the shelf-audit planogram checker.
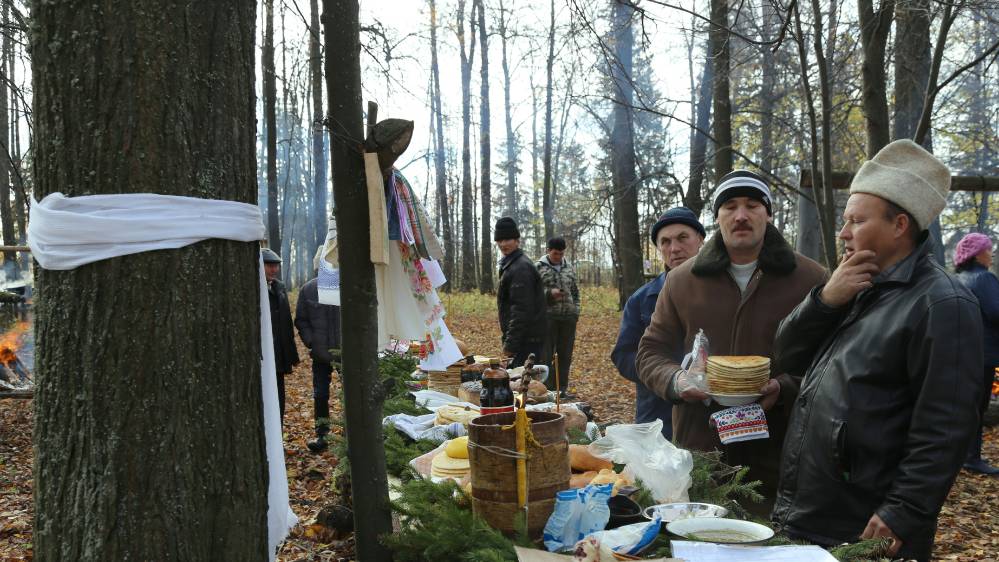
(562, 297)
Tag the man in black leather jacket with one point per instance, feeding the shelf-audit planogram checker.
(891, 352)
(520, 297)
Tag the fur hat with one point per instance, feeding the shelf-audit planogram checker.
(742, 183)
(677, 215)
(506, 229)
(907, 175)
(969, 247)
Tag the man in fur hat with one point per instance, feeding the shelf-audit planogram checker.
(742, 283)
(891, 353)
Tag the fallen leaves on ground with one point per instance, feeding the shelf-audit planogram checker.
(968, 527)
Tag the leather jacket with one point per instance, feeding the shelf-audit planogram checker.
(520, 299)
(887, 406)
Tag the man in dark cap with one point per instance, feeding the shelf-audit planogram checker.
(678, 235)
(520, 297)
(742, 283)
(282, 330)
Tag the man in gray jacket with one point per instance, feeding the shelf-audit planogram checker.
(891, 353)
(319, 327)
(562, 295)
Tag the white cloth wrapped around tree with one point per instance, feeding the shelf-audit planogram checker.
(67, 232)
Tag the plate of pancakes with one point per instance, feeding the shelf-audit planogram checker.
(735, 380)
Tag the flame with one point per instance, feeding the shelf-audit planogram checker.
(995, 383)
(11, 341)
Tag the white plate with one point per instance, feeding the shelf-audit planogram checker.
(675, 511)
(734, 399)
(718, 530)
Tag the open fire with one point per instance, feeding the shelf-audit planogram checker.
(14, 373)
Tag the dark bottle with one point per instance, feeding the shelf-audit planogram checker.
(496, 396)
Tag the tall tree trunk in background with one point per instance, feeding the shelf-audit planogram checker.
(535, 184)
(359, 309)
(20, 203)
(623, 152)
(6, 216)
(270, 117)
(440, 170)
(827, 209)
(467, 224)
(912, 74)
(769, 26)
(511, 141)
(123, 390)
(875, 27)
(718, 37)
(547, 210)
(319, 185)
(693, 198)
(485, 159)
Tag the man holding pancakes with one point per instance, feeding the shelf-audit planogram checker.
(891, 353)
(740, 286)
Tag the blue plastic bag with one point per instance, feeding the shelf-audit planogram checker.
(577, 513)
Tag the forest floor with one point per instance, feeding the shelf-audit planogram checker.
(968, 526)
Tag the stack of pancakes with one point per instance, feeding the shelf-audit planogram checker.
(456, 413)
(737, 374)
(452, 461)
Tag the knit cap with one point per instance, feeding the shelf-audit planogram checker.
(742, 183)
(677, 215)
(907, 175)
(506, 229)
(970, 246)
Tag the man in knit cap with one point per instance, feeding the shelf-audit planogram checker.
(737, 289)
(520, 297)
(678, 235)
(891, 353)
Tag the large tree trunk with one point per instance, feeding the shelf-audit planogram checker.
(270, 118)
(485, 159)
(6, 216)
(874, 29)
(440, 171)
(547, 210)
(693, 198)
(722, 103)
(149, 433)
(623, 152)
(319, 185)
(361, 384)
(535, 184)
(20, 199)
(467, 223)
(511, 141)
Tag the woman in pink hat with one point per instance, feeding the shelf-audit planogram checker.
(972, 259)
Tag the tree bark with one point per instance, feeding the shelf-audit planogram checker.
(439, 152)
(467, 223)
(149, 433)
(699, 139)
(546, 195)
(485, 160)
(912, 64)
(722, 102)
(875, 27)
(319, 185)
(6, 216)
(535, 185)
(623, 152)
(362, 392)
(511, 141)
(270, 117)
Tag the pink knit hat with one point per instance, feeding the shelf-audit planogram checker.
(970, 246)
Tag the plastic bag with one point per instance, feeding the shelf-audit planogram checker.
(628, 539)
(662, 467)
(577, 513)
(695, 364)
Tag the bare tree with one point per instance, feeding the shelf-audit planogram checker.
(875, 26)
(510, 194)
(485, 158)
(722, 103)
(319, 185)
(270, 117)
(546, 196)
(467, 223)
(440, 169)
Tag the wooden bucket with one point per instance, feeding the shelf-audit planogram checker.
(494, 475)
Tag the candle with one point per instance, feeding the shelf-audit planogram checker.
(520, 424)
(558, 386)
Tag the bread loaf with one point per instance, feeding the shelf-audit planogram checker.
(581, 459)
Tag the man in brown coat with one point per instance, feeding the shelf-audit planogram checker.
(740, 286)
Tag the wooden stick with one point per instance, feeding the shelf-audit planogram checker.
(15, 249)
(558, 391)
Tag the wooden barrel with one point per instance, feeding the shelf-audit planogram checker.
(494, 474)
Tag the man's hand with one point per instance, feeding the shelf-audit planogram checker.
(557, 294)
(685, 388)
(877, 528)
(854, 274)
(770, 392)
